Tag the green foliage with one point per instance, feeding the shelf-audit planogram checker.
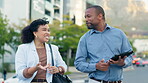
(67, 73)
(15, 34)
(8, 35)
(14, 39)
(3, 33)
(7, 67)
(71, 60)
(4, 37)
(134, 49)
(67, 36)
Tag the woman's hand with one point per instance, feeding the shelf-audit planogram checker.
(39, 66)
(53, 69)
(28, 72)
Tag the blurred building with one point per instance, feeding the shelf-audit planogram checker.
(75, 9)
(141, 45)
(15, 10)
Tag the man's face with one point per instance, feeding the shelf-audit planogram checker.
(91, 18)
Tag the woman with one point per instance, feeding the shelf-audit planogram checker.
(33, 60)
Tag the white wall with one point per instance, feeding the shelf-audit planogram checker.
(16, 10)
(141, 45)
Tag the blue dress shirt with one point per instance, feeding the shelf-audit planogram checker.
(95, 46)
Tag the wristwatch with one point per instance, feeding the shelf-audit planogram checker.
(60, 69)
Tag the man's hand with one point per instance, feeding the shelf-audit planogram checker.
(101, 65)
(119, 62)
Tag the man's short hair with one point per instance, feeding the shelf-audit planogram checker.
(99, 10)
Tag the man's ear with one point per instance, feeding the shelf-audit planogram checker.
(100, 16)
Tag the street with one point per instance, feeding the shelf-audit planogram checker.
(138, 75)
(130, 75)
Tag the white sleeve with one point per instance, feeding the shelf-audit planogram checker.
(58, 58)
(20, 62)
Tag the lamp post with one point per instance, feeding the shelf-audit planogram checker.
(30, 5)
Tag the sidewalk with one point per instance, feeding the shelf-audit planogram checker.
(128, 68)
(73, 69)
(76, 74)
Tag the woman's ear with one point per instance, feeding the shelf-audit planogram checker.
(35, 34)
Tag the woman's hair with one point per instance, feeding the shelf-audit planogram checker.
(27, 32)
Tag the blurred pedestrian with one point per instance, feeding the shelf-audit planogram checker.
(5, 74)
(33, 60)
(98, 46)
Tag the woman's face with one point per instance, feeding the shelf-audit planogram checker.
(42, 34)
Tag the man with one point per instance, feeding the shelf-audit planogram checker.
(98, 46)
(4, 74)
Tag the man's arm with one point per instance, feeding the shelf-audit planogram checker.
(126, 47)
(81, 58)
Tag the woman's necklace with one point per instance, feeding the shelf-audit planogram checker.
(40, 51)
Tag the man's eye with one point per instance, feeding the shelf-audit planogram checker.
(88, 16)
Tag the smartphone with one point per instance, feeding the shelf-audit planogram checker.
(116, 57)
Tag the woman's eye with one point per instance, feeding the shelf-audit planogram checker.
(44, 29)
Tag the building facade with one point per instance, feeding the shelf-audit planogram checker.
(75, 9)
(15, 10)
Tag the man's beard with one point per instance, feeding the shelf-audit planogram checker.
(91, 26)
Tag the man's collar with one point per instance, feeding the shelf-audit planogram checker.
(95, 31)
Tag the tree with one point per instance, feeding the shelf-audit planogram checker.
(14, 39)
(134, 49)
(68, 35)
(15, 34)
(8, 36)
(3, 33)
(3, 36)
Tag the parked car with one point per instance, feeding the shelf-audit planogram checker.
(145, 62)
(141, 63)
(135, 60)
(1, 80)
(12, 79)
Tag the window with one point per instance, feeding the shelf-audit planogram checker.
(49, 0)
(47, 12)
